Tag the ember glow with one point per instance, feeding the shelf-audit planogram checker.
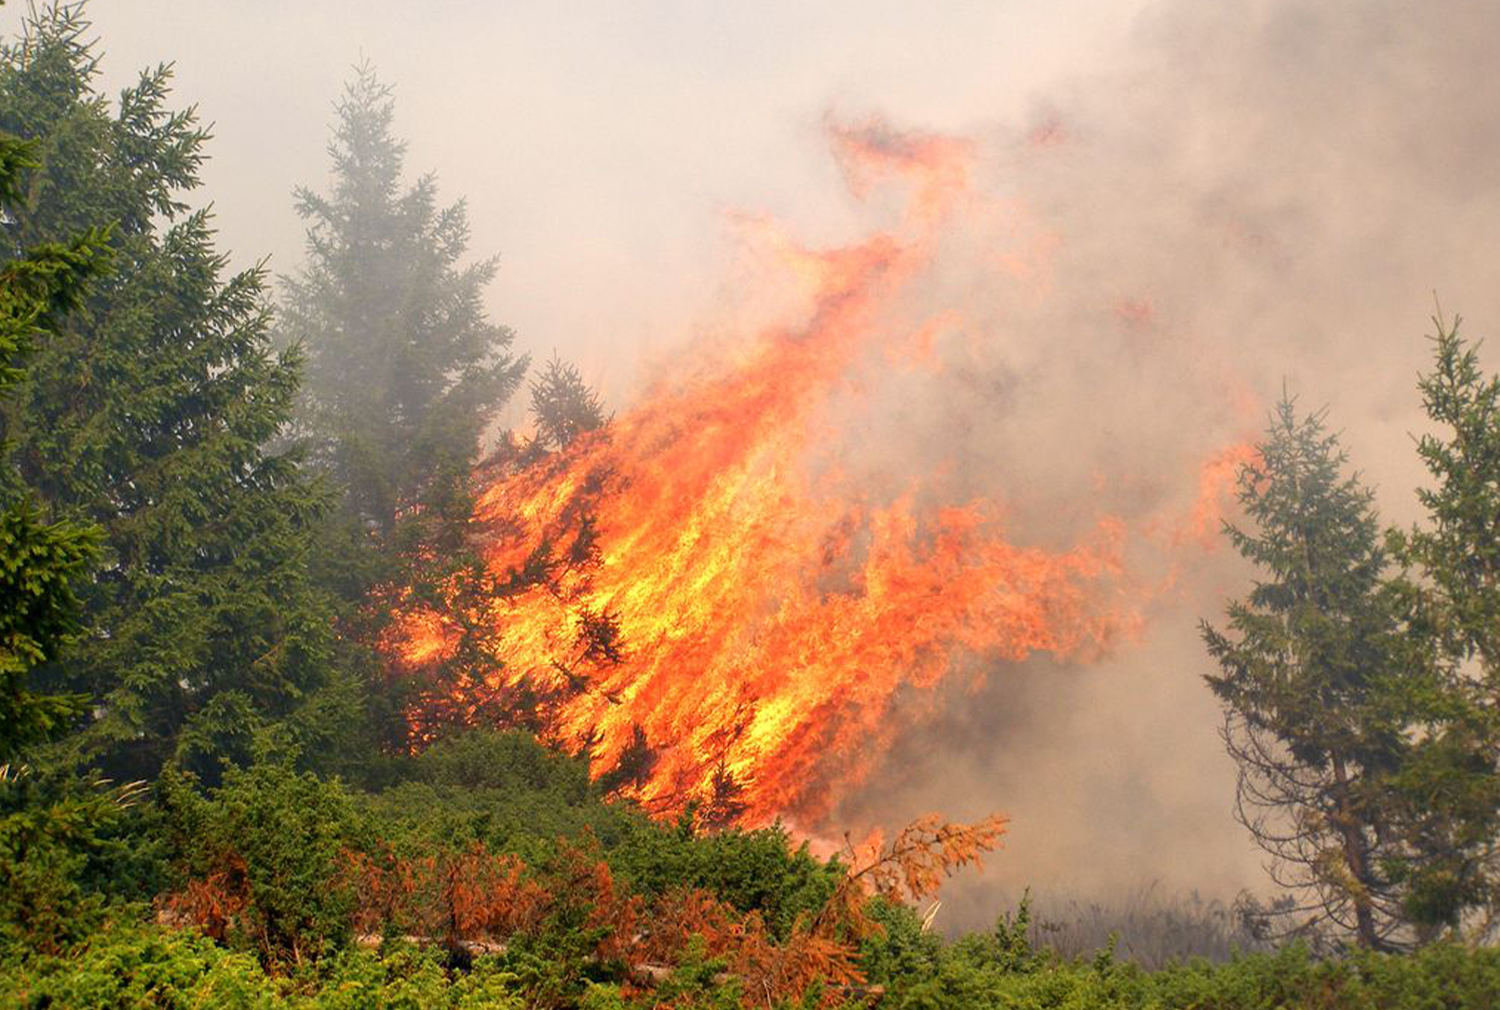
(703, 583)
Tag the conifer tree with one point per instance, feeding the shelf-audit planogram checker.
(39, 560)
(405, 373)
(1451, 596)
(1459, 549)
(563, 405)
(405, 370)
(1316, 709)
(150, 414)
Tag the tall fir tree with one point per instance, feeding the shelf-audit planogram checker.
(405, 370)
(1450, 591)
(150, 414)
(1317, 712)
(40, 561)
(405, 373)
(1459, 548)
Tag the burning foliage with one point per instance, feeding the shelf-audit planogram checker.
(710, 609)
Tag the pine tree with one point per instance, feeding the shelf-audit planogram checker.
(40, 561)
(1316, 710)
(149, 414)
(1451, 595)
(404, 375)
(405, 371)
(1460, 548)
(563, 405)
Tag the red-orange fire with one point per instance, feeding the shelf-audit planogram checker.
(693, 582)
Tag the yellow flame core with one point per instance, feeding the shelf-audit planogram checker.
(769, 615)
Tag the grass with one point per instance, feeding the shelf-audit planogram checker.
(1147, 926)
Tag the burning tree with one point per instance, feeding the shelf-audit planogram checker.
(735, 618)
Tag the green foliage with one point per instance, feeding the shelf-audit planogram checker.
(404, 369)
(70, 852)
(405, 374)
(149, 413)
(40, 561)
(975, 972)
(503, 789)
(901, 952)
(698, 981)
(1008, 946)
(1459, 547)
(1317, 712)
(142, 967)
(401, 975)
(758, 870)
(282, 839)
(563, 405)
(149, 966)
(506, 790)
(1451, 595)
(264, 856)
(555, 970)
(39, 565)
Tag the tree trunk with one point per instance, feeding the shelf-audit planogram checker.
(1356, 858)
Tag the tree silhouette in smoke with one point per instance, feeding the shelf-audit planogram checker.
(405, 370)
(563, 405)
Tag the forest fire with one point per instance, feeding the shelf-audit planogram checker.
(710, 609)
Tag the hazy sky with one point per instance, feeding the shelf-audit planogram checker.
(598, 144)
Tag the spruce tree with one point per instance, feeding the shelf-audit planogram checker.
(1451, 595)
(405, 373)
(150, 414)
(563, 405)
(1459, 548)
(1316, 708)
(40, 561)
(405, 370)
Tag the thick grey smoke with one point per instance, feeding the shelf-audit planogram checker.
(1257, 192)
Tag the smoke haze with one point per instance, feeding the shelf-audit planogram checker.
(1255, 193)
(598, 145)
(1176, 210)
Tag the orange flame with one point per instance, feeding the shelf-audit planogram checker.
(694, 579)
(1216, 484)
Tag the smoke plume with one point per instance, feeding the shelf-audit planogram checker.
(1257, 194)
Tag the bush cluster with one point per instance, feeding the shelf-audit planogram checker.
(492, 873)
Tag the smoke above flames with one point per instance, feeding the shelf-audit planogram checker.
(1253, 196)
(727, 586)
(923, 515)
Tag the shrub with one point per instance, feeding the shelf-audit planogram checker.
(141, 966)
(502, 789)
(262, 861)
(752, 871)
(69, 849)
